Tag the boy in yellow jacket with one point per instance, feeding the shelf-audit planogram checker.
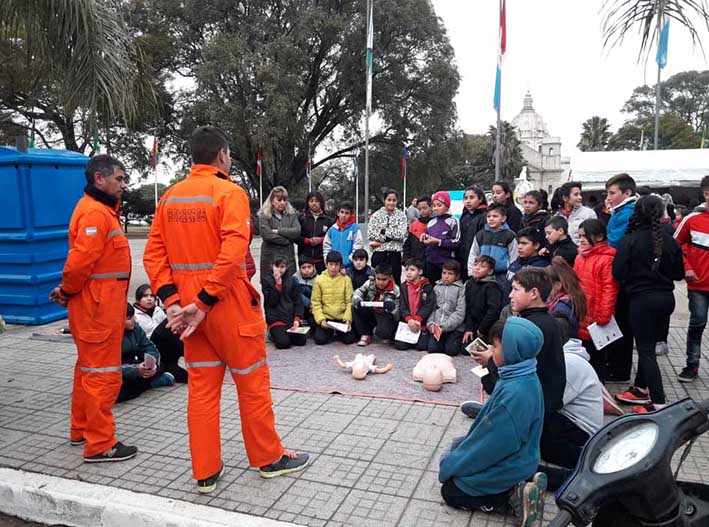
(331, 301)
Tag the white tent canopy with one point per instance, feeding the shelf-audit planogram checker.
(652, 168)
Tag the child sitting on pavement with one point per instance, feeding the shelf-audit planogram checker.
(332, 302)
(558, 241)
(382, 319)
(416, 304)
(360, 271)
(283, 305)
(447, 322)
(483, 300)
(487, 469)
(138, 376)
(305, 278)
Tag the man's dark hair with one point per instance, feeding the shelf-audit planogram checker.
(130, 311)
(487, 260)
(334, 257)
(102, 163)
(205, 144)
(558, 222)
(534, 278)
(452, 265)
(495, 332)
(426, 198)
(704, 185)
(383, 269)
(415, 262)
(624, 182)
(532, 234)
(360, 254)
(346, 205)
(499, 208)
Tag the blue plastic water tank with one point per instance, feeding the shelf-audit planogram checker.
(38, 192)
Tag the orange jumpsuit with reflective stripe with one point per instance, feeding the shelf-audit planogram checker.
(95, 278)
(196, 252)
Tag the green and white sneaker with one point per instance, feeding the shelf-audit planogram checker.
(527, 501)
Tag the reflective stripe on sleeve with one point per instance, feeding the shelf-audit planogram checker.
(204, 364)
(191, 266)
(105, 276)
(189, 199)
(107, 369)
(246, 371)
(113, 233)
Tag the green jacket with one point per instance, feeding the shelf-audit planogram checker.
(331, 298)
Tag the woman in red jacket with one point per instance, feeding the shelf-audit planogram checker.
(594, 267)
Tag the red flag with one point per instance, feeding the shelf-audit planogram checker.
(404, 157)
(503, 29)
(154, 158)
(259, 161)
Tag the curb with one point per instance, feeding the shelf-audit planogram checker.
(52, 500)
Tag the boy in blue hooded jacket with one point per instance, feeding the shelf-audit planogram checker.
(487, 469)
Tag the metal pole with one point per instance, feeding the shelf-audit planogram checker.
(155, 174)
(405, 165)
(310, 167)
(366, 127)
(356, 178)
(498, 133)
(660, 13)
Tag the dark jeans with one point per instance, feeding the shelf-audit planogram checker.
(421, 345)
(450, 343)
(698, 306)
(171, 349)
(458, 499)
(433, 272)
(599, 358)
(562, 440)
(325, 336)
(620, 352)
(284, 340)
(367, 319)
(132, 388)
(390, 258)
(649, 312)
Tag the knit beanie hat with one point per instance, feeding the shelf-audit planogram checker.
(443, 197)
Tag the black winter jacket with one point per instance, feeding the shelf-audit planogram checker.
(284, 304)
(632, 266)
(536, 220)
(483, 303)
(514, 216)
(567, 249)
(427, 302)
(470, 224)
(310, 227)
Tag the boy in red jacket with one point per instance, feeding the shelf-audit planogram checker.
(693, 235)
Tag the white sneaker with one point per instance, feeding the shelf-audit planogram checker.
(661, 348)
(181, 363)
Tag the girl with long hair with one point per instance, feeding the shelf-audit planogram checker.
(386, 232)
(502, 194)
(279, 229)
(566, 295)
(314, 224)
(648, 261)
(472, 220)
(567, 202)
(594, 269)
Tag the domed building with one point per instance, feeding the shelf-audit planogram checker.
(542, 152)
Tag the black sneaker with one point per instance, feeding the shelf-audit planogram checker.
(77, 442)
(284, 466)
(688, 374)
(119, 452)
(471, 408)
(205, 486)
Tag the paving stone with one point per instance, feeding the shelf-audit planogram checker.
(425, 514)
(389, 479)
(350, 406)
(37, 421)
(418, 434)
(430, 414)
(306, 440)
(368, 509)
(385, 409)
(327, 421)
(354, 447)
(429, 489)
(153, 473)
(308, 503)
(371, 428)
(403, 455)
(334, 470)
(252, 494)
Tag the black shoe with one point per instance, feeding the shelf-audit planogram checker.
(119, 452)
(471, 408)
(205, 486)
(77, 442)
(284, 466)
(688, 374)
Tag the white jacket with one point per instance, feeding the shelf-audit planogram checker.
(576, 218)
(583, 395)
(148, 323)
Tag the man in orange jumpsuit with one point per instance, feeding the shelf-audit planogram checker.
(196, 257)
(94, 288)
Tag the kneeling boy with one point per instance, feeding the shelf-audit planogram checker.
(382, 319)
(417, 304)
(332, 301)
(447, 322)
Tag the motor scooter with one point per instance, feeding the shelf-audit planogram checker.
(624, 476)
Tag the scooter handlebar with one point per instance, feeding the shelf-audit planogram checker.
(704, 406)
(562, 519)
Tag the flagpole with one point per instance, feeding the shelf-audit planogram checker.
(403, 164)
(155, 169)
(660, 16)
(370, 51)
(356, 178)
(310, 167)
(497, 132)
(259, 169)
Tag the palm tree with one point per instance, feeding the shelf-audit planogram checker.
(83, 45)
(595, 135)
(511, 155)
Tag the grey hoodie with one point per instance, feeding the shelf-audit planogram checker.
(583, 395)
(450, 306)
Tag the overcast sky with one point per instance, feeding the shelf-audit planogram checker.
(554, 49)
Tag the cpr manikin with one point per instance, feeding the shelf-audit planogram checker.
(434, 370)
(362, 365)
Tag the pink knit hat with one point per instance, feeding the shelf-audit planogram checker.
(443, 197)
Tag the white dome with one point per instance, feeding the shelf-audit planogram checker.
(531, 128)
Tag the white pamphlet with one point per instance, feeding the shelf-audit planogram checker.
(338, 326)
(604, 335)
(480, 371)
(365, 303)
(404, 334)
(300, 330)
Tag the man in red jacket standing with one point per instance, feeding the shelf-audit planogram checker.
(693, 235)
